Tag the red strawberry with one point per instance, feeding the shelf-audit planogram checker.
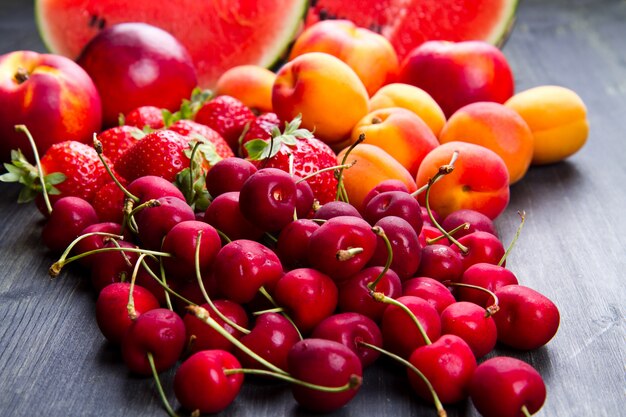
(260, 128)
(227, 116)
(116, 140)
(190, 128)
(143, 116)
(309, 155)
(108, 202)
(160, 153)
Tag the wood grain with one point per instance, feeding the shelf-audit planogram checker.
(54, 362)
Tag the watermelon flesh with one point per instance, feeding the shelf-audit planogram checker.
(409, 23)
(219, 34)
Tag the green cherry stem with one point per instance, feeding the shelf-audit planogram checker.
(44, 190)
(341, 191)
(490, 310)
(278, 309)
(463, 226)
(525, 411)
(130, 306)
(381, 233)
(380, 297)
(354, 382)
(522, 215)
(320, 171)
(440, 410)
(97, 145)
(157, 381)
(203, 314)
(69, 248)
(455, 156)
(206, 295)
(269, 310)
(163, 285)
(347, 254)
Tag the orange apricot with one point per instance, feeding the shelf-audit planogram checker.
(250, 84)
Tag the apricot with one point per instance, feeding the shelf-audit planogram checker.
(325, 91)
(400, 132)
(479, 181)
(372, 166)
(250, 84)
(496, 127)
(369, 54)
(411, 98)
(557, 118)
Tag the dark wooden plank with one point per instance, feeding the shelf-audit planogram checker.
(53, 360)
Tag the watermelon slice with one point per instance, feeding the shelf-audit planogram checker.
(408, 23)
(219, 34)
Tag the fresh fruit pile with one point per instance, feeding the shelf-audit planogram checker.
(299, 225)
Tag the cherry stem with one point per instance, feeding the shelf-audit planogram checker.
(463, 226)
(44, 190)
(320, 171)
(203, 314)
(164, 279)
(525, 411)
(380, 297)
(440, 410)
(381, 233)
(455, 156)
(490, 310)
(157, 381)
(206, 295)
(267, 295)
(269, 310)
(341, 191)
(354, 381)
(69, 248)
(56, 267)
(347, 254)
(522, 215)
(163, 284)
(132, 312)
(192, 163)
(97, 145)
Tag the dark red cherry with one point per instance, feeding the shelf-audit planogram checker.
(69, 217)
(224, 214)
(386, 185)
(292, 246)
(431, 290)
(440, 262)
(405, 246)
(228, 175)
(335, 209)
(470, 323)
(482, 247)
(153, 223)
(476, 220)
(488, 276)
(200, 336)
(394, 203)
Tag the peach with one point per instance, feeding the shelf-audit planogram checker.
(479, 181)
(372, 166)
(400, 132)
(557, 117)
(369, 54)
(325, 91)
(496, 127)
(50, 94)
(250, 84)
(411, 98)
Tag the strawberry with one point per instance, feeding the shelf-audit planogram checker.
(143, 116)
(309, 155)
(227, 116)
(259, 128)
(108, 202)
(70, 168)
(190, 128)
(116, 140)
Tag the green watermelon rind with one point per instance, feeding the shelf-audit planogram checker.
(501, 32)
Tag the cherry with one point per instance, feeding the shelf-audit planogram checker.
(488, 276)
(112, 314)
(527, 319)
(386, 185)
(355, 292)
(69, 217)
(507, 387)
(292, 245)
(242, 267)
(431, 290)
(342, 246)
(228, 175)
(201, 382)
(148, 281)
(328, 363)
(476, 221)
(114, 266)
(271, 338)
(448, 364)
(158, 333)
(202, 337)
(335, 209)
(305, 198)
(92, 242)
(268, 199)
(307, 295)
(152, 187)
(471, 323)
(401, 334)
(154, 222)
(351, 329)
(405, 247)
(224, 214)
(440, 262)
(426, 217)
(430, 232)
(181, 241)
(394, 203)
(481, 247)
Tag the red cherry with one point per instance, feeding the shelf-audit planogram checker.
(488, 276)
(470, 323)
(386, 185)
(405, 246)
(527, 319)
(307, 295)
(476, 220)
(91, 243)
(335, 209)
(394, 203)
(448, 364)
(482, 247)
(114, 266)
(201, 384)
(152, 187)
(154, 223)
(502, 386)
(224, 214)
(160, 332)
(69, 217)
(292, 246)
(228, 175)
(433, 291)
(355, 294)
(203, 337)
(327, 363)
(440, 262)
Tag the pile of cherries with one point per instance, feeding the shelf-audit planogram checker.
(267, 282)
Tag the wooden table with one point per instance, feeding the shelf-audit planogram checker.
(54, 362)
